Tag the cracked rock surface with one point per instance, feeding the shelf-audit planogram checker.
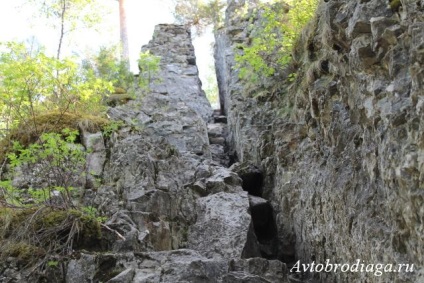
(181, 215)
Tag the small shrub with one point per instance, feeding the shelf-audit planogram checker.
(149, 66)
(112, 127)
(50, 224)
(56, 161)
(33, 83)
(50, 122)
(274, 30)
(22, 251)
(107, 66)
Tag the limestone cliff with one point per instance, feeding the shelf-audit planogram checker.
(344, 171)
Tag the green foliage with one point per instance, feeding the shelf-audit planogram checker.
(52, 263)
(43, 220)
(50, 122)
(9, 193)
(274, 33)
(292, 77)
(31, 84)
(199, 13)
(56, 157)
(40, 97)
(299, 14)
(111, 127)
(75, 12)
(148, 65)
(107, 66)
(93, 213)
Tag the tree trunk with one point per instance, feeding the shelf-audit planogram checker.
(125, 53)
(62, 28)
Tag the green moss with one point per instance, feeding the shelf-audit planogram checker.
(119, 90)
(12, 218)
(89, 227)
(50, 218)
(91, 230)
(395, 5)
(119, 99)
(22, 251)
(56, 122)
(51, 122)
(29, 234)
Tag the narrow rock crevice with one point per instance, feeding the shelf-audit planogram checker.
(261, 211)
(253, 183)
(265, 227)
(217, 134)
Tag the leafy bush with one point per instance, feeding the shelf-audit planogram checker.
(148, 65)
(57, 162)
(44, 220)
(49, 122)
(31, 84)
(199, 14)
(107, 66)
(274, 32)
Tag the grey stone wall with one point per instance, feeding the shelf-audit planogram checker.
(345, 171)
(174, 213)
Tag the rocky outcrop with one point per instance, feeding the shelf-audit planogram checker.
(339, 178)
(231, 235)
(178, 77)
(344, 170)
(166, 189)
(160, 169)
(174, 212)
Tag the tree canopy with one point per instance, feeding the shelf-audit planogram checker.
(68, 16)
(199, 13)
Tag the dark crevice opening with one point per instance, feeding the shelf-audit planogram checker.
(253, 182)
(232, 156)
(288, 255)
(107, 269)
(265, 229)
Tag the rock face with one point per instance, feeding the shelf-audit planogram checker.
(183, 215)
(174, 212)
(339, 178)
(344, 171)
(231, 235)
(160, 172)
(178, 77)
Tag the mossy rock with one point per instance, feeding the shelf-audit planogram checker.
(51, 122)
(119, 90)
(395, 5)
(27, 233)
(24, 253)
(118, 99)
(56, 122)
(12, 218)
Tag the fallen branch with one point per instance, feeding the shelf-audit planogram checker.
(113, 231)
